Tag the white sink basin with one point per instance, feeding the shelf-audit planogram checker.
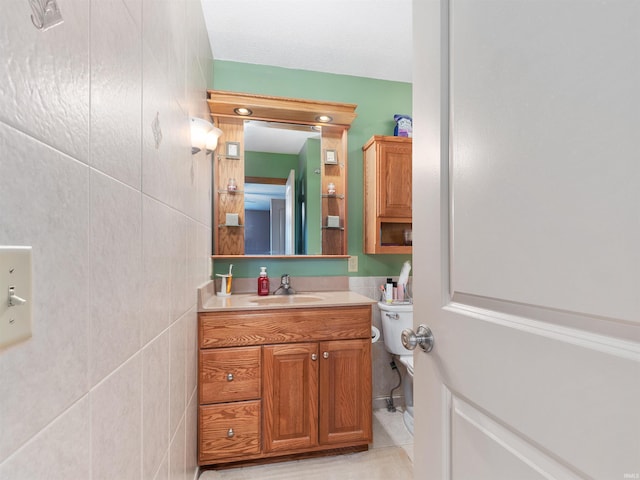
(286, 299)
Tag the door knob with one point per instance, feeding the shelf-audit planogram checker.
(423, 337)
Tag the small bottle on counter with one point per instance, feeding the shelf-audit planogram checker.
(263, 282)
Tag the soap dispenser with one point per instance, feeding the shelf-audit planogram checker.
(263, 282)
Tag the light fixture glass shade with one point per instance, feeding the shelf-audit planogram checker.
(212, 139)
(199, 130)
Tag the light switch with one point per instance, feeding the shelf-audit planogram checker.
(15, 294)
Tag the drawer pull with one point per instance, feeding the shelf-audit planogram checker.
(314, 357)
(325, 355)
(230, 433)
(229, 377)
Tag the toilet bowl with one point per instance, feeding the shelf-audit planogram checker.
(395, 318)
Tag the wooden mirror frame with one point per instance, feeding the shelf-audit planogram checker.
(228, 241)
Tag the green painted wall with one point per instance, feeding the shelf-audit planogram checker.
(377, 100)
(269, 165)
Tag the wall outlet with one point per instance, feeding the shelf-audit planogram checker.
(353, 263)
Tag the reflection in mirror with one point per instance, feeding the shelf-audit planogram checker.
(282, 189)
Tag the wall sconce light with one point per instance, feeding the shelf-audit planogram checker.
(212, 139)
(203, 135)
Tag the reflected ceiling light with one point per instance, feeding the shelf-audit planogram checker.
(245, 112)
(324, 118)
(203, 135)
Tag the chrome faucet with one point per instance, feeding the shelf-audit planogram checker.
(285, 286)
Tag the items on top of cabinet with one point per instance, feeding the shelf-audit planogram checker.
(404, 126)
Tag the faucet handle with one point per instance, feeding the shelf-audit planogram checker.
(284, 279)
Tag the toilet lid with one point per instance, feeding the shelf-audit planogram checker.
(407, 361)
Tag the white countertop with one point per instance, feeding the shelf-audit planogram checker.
(209, 302)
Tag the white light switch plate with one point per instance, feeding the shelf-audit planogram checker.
(15, 271)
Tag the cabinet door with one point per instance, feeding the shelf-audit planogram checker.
(290, 396)
(394, 169)
(345, 391)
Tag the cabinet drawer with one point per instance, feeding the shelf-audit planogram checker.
(288, 325)
(229, 374)
(229, 430)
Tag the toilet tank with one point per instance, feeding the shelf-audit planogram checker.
(395, 318)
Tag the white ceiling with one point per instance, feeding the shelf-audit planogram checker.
(364, 38)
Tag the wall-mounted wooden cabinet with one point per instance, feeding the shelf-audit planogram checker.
(387, 195)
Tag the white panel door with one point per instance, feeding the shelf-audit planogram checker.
(527, 238)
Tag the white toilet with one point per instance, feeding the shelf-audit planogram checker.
(395, 318)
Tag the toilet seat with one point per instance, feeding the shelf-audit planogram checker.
(407, 361)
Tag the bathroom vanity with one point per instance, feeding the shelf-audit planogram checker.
(285, 376)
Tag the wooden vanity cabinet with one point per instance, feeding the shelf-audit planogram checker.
(307, 391)
(387, 194)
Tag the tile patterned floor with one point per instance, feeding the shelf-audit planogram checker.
(390, 456)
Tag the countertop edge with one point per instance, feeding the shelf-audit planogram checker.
(209, 302)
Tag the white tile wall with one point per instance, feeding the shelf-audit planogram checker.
(45, 203)
(58, 452)
(156, 390)
(116, 418)
(115, 245)
(120, 230)
(116, 93)
(45, 76)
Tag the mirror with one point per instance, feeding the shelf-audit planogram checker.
(282, 201)
(265, 140)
